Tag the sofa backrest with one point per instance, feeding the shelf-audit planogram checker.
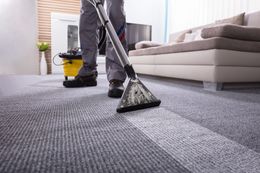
(251, 19)
(173, 36)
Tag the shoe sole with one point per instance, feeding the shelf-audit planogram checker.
(115, 93)
(89, 84)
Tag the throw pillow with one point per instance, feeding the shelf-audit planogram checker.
(146, 44)
(237, 20)
(198, 35)
(181, 37)
(190, 37)
(233, 31)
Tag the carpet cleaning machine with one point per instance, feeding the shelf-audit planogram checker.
(136, 96)
(72, 59)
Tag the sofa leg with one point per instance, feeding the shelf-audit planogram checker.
(212, 86)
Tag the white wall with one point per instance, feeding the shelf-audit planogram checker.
(186, 14)
(254, 5)
(18, 33)
(150, 12)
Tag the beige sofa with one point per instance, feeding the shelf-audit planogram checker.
(214, 61)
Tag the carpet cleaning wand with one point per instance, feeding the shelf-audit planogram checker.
(136, 95)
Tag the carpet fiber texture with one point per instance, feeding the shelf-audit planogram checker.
(48, 128)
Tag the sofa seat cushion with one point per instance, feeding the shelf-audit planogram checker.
(237, 20)
(213, 57)
(232, 31)
(206, 44)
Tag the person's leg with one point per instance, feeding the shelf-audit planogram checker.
(115, 11)
(89, 44)
(89, 38)
(115, 72)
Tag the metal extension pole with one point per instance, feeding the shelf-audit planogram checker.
(136, 95)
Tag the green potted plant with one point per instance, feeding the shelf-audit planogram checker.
(43, 47)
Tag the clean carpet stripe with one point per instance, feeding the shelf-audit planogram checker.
(195, 147)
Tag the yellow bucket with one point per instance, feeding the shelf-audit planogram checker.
(71, 67)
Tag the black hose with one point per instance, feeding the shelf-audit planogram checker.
(102, 33)
(53, 61)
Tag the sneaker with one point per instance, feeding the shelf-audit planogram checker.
(81, 81)
(116, 89)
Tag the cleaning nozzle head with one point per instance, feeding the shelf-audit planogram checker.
(136, 96)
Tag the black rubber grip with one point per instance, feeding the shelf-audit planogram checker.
(130, 71)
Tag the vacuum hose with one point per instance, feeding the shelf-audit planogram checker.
(102, 36)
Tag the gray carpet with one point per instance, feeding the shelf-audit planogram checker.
(47, 128)
(233, 113)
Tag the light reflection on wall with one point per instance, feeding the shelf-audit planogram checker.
(184, 14)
